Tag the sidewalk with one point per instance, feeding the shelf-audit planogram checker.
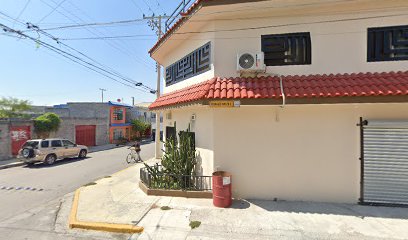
(117, 199)
(10, 163)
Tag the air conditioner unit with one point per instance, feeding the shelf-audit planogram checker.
(250, 62)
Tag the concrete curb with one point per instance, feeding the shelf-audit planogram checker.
(99, 226)
(10, 165)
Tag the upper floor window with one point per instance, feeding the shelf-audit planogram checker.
(287, 49)
(387, 43)
(118, 114)
(193, 64)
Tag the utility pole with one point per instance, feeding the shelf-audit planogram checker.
(155, 22)
(102, 90)
(133, 101)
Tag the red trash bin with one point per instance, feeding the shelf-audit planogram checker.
(221, 187)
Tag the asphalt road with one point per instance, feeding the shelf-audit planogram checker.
(25, 188)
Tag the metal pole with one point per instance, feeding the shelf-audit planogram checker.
(158, 152)
(102, 90)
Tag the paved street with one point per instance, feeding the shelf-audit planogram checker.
(36, 192)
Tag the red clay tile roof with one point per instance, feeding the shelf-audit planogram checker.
(310, 86)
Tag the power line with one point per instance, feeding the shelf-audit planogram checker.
(134, 57)
(148, 6)
(22, 10)
(137, 6)
(159, 6)
(113, 72)
(229, 30)
(288, 24)
(119, 47)
(108, 37)
(94, 24)
(53, 10)
(71, 57)
(12, 19)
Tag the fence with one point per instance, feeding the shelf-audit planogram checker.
(175, 182)
(181, 8)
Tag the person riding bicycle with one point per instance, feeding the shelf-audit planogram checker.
(137, 149)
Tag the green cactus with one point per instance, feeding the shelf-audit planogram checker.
(178, 161)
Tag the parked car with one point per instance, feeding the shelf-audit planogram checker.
(50, 150)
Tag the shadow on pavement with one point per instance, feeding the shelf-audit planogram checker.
(240, 204)
(57, 163)
(355, 210)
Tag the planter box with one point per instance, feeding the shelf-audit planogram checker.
(174, 193)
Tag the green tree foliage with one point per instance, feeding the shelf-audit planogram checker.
(140, 126)
(14, 108)
(46, 123)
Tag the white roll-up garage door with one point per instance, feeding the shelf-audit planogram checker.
(385, 162)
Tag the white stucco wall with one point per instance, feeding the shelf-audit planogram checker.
(339, 41)
(310, 152)
(203, 132)
(301, 152)
(337, 47)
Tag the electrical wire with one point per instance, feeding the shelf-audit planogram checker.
(122, 44)
(22, 11)
(290, 24)
(108, 37)
(114, 72)
(148, 6)
(127, 51)
(13, 20)
(53, 10)
(72, 57)
(232, 30)
(137, 6)
(119, 47)
(95, 24)
(95, 34)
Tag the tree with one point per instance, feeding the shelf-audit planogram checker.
(46, 123)
(14, 108)
(140, 126)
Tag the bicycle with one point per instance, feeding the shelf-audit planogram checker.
(133, 156)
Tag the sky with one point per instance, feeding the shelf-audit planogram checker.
(32, 72)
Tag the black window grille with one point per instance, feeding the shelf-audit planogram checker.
(287, 49)
(191, 65)
(387, 43)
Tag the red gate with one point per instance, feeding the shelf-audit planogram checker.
(19, 135)
(85, 135)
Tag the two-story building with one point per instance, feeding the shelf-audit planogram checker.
(299, 100)
(93, 123)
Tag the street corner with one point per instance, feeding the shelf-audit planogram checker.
(98, 226)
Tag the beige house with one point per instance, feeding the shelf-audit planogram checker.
(299, 100)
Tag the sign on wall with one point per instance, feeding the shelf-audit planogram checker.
(191, 65)
(224, 104)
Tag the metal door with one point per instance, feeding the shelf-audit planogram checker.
(384, 162)
(85, 135)
(19, 135)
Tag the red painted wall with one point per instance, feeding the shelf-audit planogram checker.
(19, 135)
